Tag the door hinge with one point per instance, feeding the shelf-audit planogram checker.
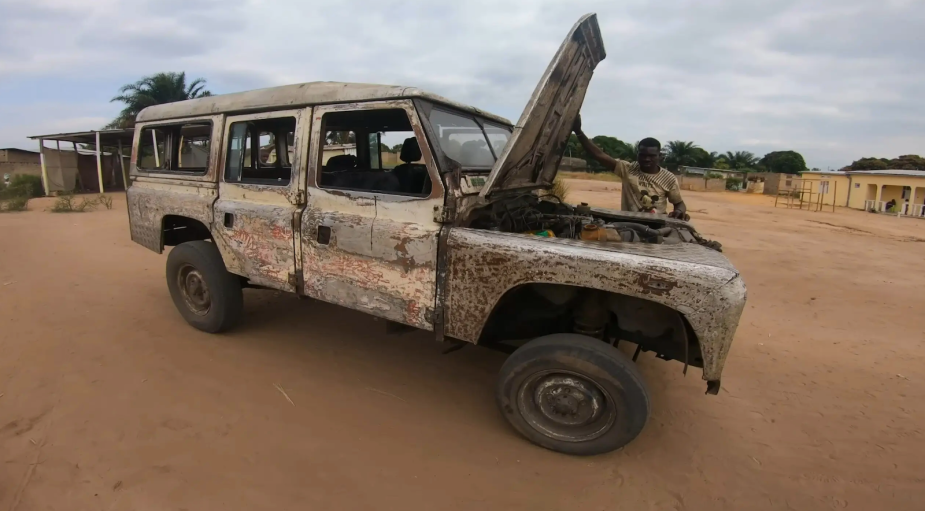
(295, 280)
(299, 198)
(442, 214)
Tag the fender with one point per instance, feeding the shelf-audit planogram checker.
(699, 283)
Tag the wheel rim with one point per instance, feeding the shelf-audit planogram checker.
(566, 406)
(194, 289)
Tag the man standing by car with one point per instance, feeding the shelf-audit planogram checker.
(644, 182)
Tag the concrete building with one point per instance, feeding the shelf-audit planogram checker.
(871, 190)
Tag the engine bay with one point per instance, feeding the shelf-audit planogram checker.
(549, 216)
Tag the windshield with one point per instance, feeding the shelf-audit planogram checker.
(463, 139)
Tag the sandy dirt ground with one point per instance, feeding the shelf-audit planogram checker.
(108, 400)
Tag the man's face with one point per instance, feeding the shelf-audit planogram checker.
(648, 158)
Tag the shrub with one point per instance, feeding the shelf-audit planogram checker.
(14, 204)
(67, 203)
(28, 185)
(105, 200)
(733, 184)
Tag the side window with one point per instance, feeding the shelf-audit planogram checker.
(261, 151)
(175, 148)
(152, 149)
(372, 151)
(195, 146)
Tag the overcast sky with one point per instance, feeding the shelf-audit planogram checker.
(833, 79)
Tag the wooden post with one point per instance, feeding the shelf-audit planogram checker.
(99, 161)
(122, 167)
(44, 170)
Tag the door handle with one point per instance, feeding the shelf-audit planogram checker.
(324, 234)
(229, 220)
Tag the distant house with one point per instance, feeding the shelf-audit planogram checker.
(873, 190)
(335, 150)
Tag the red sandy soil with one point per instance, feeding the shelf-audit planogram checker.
(108, 400)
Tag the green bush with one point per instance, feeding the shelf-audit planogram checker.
(27, 185)
(733, 184)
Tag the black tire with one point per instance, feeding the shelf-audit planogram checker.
(219, 307)
(548, 389)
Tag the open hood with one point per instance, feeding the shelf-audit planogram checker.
(531, 157)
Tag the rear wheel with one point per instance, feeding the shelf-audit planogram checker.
(206, 295)
(573, 394)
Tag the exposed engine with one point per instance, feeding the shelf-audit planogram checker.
(550, 217)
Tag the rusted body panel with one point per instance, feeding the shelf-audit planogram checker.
(374, 261)
(374, 252)
(697, 282)
(151, 199)
(254, 228)
(259, 244)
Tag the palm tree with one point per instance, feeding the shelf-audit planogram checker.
(155, 90)
(740, 159)
(680, 153)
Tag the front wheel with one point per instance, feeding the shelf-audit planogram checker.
(206, 295)
(573, 394)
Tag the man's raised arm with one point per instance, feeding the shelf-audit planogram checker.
(603, 158)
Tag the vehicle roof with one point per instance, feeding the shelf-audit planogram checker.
(295, 96)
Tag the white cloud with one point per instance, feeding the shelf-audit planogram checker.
(834, 79)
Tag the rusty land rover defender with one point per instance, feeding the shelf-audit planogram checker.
(436, 215)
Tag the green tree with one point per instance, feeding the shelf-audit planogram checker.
(904, 162)
(740, 160)
(908, 162)
(679, 153)
(613, 147)
(870, 164)
(704, 159)
(155, 90)
(721, 163)
(784, 162)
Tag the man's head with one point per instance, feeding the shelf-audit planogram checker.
(648, 153)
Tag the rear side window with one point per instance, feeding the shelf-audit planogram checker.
(261, 151)
(181, 148)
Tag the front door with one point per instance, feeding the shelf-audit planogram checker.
(261, 193)
(369, 239)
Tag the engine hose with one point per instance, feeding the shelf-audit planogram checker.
(643, 231)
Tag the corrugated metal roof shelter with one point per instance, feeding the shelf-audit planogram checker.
(113, 139)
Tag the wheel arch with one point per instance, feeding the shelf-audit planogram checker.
(541, 308)
(177, 229)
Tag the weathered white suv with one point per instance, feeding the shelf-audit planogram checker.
(437, 216)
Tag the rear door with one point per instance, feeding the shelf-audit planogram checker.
(261, 195)
(532, 156)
